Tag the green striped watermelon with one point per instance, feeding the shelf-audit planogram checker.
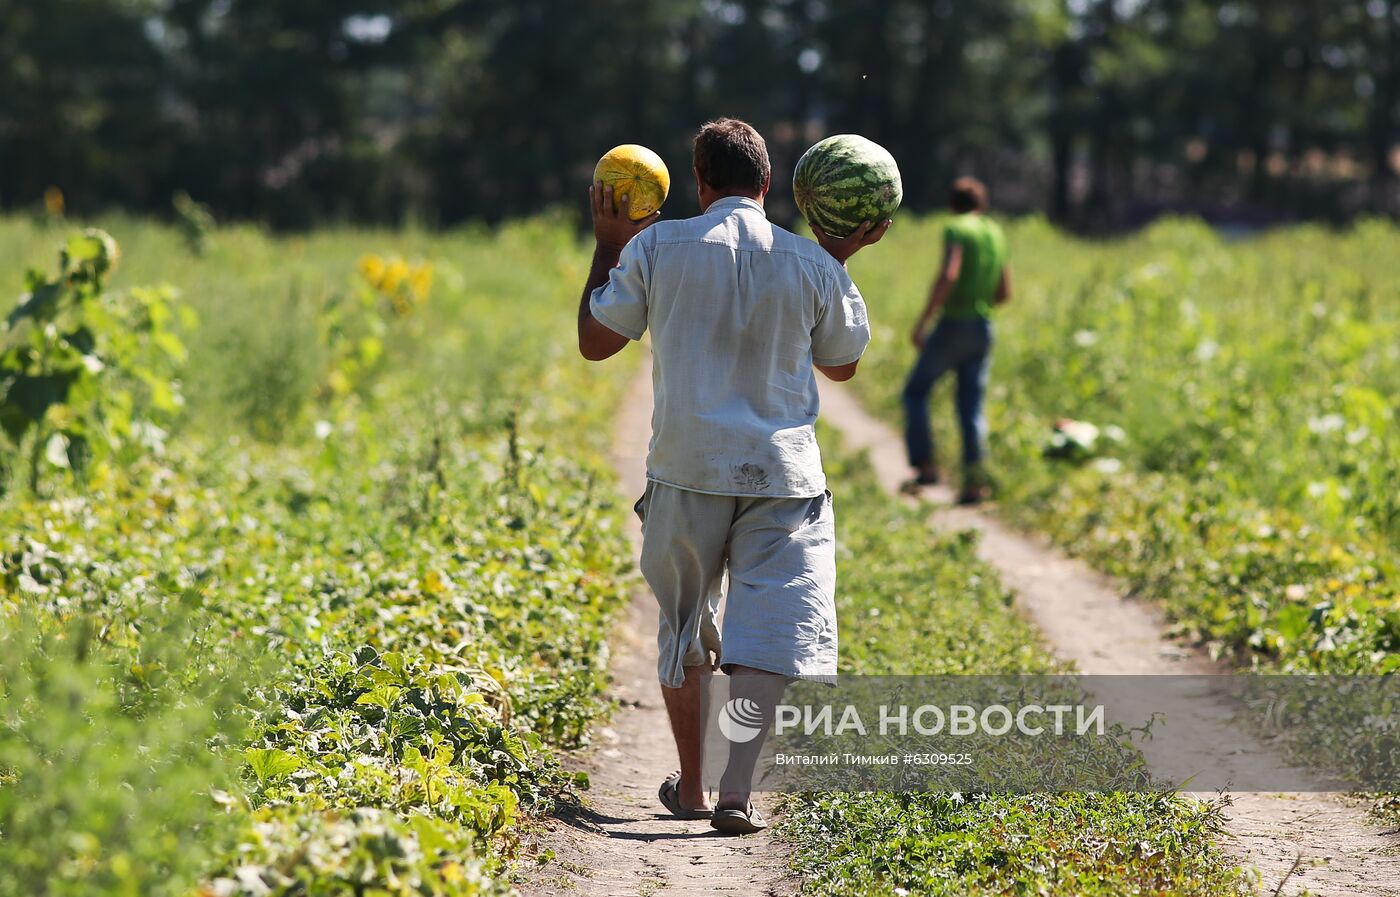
(845, 180)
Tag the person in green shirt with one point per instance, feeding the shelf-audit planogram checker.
(974, 279)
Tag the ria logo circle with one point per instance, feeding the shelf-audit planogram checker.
(740, 720)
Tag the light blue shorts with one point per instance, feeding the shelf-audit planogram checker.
(780, 555)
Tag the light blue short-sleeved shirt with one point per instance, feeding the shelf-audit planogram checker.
(739, 311)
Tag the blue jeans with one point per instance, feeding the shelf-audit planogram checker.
(962, 346)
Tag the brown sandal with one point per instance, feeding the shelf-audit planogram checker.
(739, 822)
(670, 795)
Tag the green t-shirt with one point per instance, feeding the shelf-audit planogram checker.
(983, 257)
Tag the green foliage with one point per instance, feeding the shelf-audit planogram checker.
(194, 220)
(917, 603)
(329, 854)
(110, 752)
(416, 589)
(386, 730)
(1254, 488)
(299, 111)
(86, 374)
(355, 322)
(1067, 845)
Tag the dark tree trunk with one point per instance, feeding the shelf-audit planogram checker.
(1061, 159)
(1066, 73)
(923, 178)
(1103, 152)
(1382, 118)
(1260, 115)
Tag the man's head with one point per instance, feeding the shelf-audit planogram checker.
(968, 195)
(731, 159)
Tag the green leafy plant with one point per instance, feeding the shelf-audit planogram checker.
(355, 322)
(110, 756)
(363, 851)
(86, 373)
(195, 222)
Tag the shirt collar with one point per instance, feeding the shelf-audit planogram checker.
(729, 203)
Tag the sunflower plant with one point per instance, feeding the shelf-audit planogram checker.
(355, 323)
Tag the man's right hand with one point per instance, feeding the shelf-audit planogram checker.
(612, 225)
(842, 248)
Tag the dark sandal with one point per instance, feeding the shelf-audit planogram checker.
(670, 795)
(739, 822)
(975, 495)
(916, 485)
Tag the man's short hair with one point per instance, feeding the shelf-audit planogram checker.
(968, 195)
(731, 155)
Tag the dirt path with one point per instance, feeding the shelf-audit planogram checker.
(624, 843)
(1300, 843)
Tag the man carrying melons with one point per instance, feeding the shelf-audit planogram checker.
(741, 314)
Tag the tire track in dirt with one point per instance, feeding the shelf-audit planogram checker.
(623, 842)
(1300, 843)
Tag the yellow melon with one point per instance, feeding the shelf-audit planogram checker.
(636, 172)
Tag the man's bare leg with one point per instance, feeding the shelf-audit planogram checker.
(686, 708)
(765, 689)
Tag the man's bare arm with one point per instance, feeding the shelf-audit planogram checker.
(612, 228)
(938, 295)
(840, 372)
(1004, 286)
(597, 341)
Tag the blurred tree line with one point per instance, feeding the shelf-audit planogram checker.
(297, 111)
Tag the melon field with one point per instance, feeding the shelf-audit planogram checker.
(326, 635)
(1253, 487)
(311, 555)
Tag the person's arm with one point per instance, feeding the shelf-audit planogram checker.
(597, 341)
(838, 372)
(842, 331)
(612, 229)
(939, 293)
(1004, 286)
(842, 248)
